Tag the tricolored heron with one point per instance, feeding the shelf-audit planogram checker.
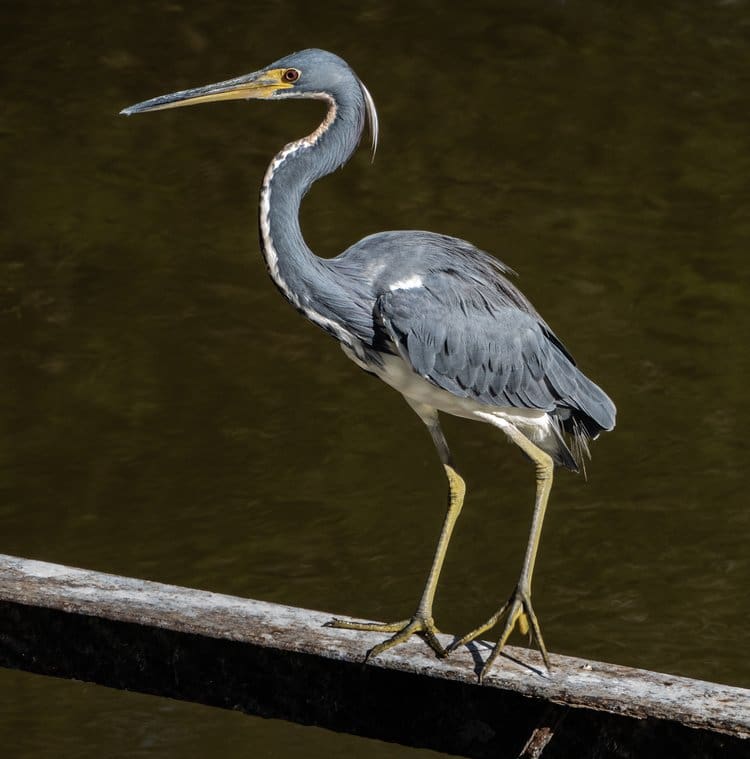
(430, 315)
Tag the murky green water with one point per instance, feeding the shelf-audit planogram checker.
(165, 414)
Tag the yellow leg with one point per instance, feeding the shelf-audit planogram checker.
(422, 621)
(517, 610)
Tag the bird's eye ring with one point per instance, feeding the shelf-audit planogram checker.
(290, 75)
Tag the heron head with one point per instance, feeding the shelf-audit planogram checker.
(306, 74)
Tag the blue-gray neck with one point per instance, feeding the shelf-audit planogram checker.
(306, 280)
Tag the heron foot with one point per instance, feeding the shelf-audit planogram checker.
(517, 611)
(419, 624)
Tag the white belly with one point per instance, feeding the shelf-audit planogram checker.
(421, 393)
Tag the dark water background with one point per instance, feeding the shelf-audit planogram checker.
(164, 414)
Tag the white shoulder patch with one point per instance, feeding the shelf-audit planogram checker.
(410, 283)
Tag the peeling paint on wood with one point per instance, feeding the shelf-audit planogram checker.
(279, 661)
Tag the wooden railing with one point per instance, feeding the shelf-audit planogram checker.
(279, 661)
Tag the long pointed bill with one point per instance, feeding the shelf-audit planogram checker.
(260, 85)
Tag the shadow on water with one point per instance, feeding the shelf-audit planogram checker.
(165, 414)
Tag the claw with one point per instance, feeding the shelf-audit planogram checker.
(517, 611)
(417, 625)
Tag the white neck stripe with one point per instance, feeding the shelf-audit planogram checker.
(268, 248)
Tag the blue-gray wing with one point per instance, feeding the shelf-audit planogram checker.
(489, 344)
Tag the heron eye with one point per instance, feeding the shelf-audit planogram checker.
(290, 75)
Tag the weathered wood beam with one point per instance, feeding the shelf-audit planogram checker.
(279, 661)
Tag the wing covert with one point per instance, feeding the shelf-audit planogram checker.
(479, 345)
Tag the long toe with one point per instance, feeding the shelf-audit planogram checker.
(520, 614)
(517, 612)
(477, 632)
(417, 625)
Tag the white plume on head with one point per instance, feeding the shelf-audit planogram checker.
(372, 118)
